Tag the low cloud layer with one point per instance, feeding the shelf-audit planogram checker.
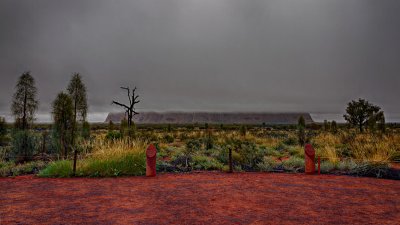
(206, 55)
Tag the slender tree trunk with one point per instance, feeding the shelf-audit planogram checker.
(44, 143)
(63, 151)
(24, 144)
(24, 123)
(73, 139)
(75, 159)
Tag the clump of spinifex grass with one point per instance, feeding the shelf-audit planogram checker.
(330, 154)
(326, 139)
(370, 148)
(116, 158)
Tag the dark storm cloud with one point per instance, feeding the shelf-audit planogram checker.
(211, 55)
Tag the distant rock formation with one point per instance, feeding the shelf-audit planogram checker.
(211, 118)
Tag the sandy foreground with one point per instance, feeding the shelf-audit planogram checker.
(201, 198)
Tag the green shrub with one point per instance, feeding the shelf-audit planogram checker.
(371, 169)
(12, 169)
(168, 138)
(162, 166)
(221, 153)
(129, 164)
(27, 168)
(85, 132)
(268, 164)
(181, 158)
(5, 168)
(347, 165)
(24, 145)
(201, 162)
(209, 141)
(54, 142)
(327, 166)
(272, 152)
(296, 151)
(294, 164)
(290, 141)
(149, 136)
(280, 147)
(193, 145)
(113, 135)
(244, 153)
(4, 152)
(57, 169)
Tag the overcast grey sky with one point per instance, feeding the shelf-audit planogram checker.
(206, 55)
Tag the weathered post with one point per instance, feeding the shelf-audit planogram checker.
(230, 161)
(151, 157)
(44, 136)
(309, 159)
(319, 165)
(75, 158)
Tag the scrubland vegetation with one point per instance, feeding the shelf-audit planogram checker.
(110, 153)
(365, 146)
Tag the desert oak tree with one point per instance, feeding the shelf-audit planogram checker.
(24, 103)
(77, 92)
(63, 119)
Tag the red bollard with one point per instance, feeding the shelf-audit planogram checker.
(151, 157)
(309, 159)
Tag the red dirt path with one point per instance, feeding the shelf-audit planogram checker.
(201, 198)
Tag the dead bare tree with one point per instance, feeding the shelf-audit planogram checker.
(129, 109)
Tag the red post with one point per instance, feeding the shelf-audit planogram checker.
(309, 159)
(151, 157)
(319, 165)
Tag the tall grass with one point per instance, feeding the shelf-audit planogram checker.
(330, 154)
(116, 158)
(326, 139)
(367, 147)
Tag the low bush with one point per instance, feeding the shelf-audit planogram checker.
(193, 145)
(163, 166)
(347, 165)
(272, 152)
(371, 169)
(327, 166)
(169, 138)
(129, 164)
(24, 145)
(293, 164)
(5, 168)
(296, 151)
(249, 154)
(201, 162)
(113, 135)
(57, 169)
(290, 141)
(268, 164)
(11, 169)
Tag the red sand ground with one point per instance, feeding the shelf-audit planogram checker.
(201, 198)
